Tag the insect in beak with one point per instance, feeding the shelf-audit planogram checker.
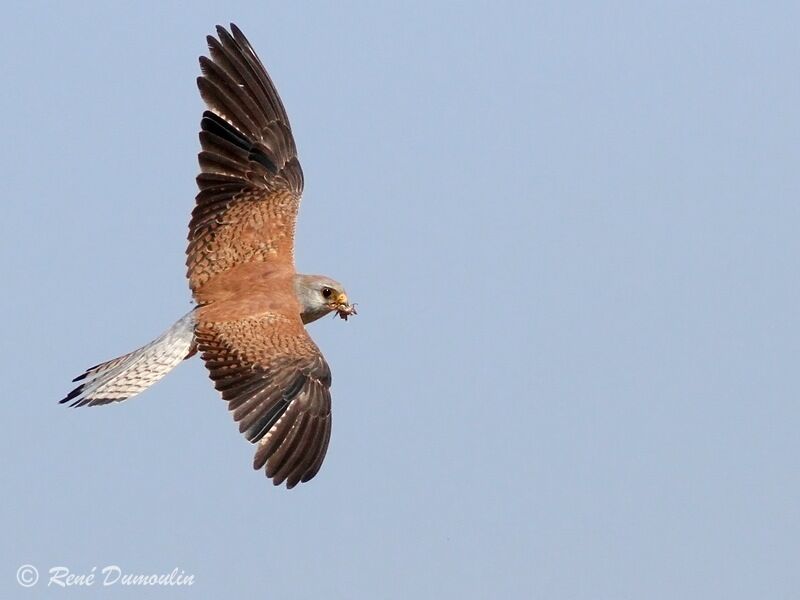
(341, 307)
(344, 311)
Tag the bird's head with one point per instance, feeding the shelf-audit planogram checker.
(319, 295)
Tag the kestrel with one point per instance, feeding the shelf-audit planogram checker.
(251, 304)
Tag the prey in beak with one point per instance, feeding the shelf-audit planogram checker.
(342, 307)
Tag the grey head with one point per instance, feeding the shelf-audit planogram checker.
(319, 296)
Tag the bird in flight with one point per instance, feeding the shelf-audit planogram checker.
(248, 324)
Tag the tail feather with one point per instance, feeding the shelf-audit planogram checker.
(121, 378)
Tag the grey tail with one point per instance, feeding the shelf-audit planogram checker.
(123, 377)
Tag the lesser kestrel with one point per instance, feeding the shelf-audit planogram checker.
(251, 304)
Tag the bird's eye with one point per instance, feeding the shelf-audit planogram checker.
(327, 292)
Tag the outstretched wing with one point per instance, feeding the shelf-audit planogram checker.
(277, 385)
(250, 179)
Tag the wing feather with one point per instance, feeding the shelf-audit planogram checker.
(250, 179)
(277, 385)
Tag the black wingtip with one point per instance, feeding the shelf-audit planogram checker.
(72, 395)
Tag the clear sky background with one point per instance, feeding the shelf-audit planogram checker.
(572, 231)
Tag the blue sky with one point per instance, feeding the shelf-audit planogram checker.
(571, 229)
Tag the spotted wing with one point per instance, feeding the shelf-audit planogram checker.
(250, 179)
(277, 385)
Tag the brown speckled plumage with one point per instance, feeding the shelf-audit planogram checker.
(277, 386)
(250, 179)
(240, 261)
(248, 325)
(254, 228)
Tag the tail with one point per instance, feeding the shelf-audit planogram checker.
(121, 378)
